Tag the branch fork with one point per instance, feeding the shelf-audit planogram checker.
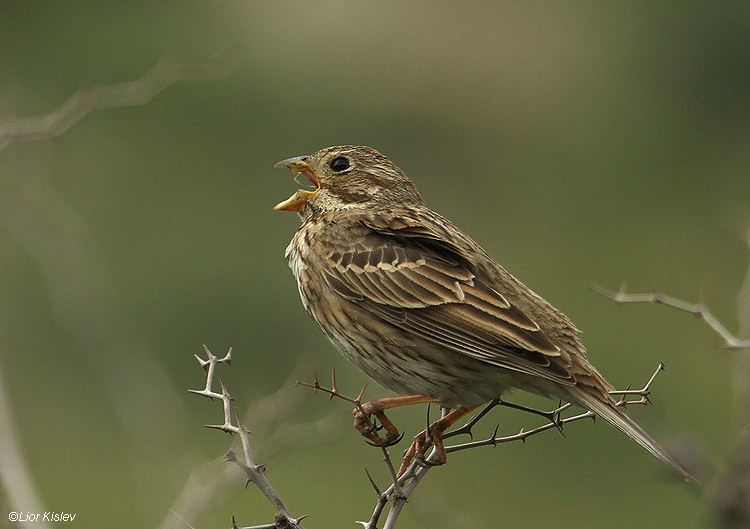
(254, 472)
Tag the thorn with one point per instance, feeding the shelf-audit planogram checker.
(204, 363)
(560, 429)
(427, 429)
(234, 524)
(494, 435)
(372, 482)
(558, 423)
(359, 397)
(222, 427)
(202, 392)
(224, 392)
(333, 384)
(621, 292)
(241, 426)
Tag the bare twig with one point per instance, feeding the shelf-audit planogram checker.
(254, 472)
(698, 309)
(205, 483)
(98, 97)
(401, 488)
(333, 391)
(728, 499)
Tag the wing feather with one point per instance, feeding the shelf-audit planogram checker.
(432, 291)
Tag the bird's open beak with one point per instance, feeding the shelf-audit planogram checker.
(298, 164)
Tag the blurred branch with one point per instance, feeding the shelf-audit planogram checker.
(729, 499)
(254, 472)
(273, 408)
(198, 494)
(15, 475)
(60, 243)
(99, 97)
(204, 484)
(698, 309)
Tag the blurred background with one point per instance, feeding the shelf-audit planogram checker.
(575, 142)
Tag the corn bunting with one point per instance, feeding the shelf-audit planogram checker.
(422, 309)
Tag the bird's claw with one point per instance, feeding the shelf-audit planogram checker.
(384, 442)
(369, 428)
(421, 460)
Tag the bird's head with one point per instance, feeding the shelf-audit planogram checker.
(348, 177)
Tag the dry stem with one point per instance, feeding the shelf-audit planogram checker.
(698, 309)
(254, 472)
(98, 97)
(401, 488)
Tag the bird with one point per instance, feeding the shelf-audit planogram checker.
(421, 308)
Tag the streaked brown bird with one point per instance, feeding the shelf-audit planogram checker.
(421, 308)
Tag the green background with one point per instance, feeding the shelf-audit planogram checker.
(575, 141)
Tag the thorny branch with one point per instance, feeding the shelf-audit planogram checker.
(698, 309)
(254, 472)
(53, 235)
(403, 486)
(98, 97)
(728, 500)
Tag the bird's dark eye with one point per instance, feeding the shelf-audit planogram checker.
(339, 164)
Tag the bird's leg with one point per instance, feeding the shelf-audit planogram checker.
(417, 447)
(376, 407)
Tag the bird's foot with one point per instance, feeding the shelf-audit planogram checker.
(416, 451)
(365, 425)
(432, 435)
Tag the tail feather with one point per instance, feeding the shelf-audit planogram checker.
(626, 425)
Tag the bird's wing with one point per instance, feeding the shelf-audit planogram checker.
(413, 282)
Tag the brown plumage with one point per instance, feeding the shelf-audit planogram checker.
(421, 308)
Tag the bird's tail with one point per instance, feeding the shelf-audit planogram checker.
(615, 417)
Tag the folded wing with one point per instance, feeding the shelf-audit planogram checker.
(415, 283)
